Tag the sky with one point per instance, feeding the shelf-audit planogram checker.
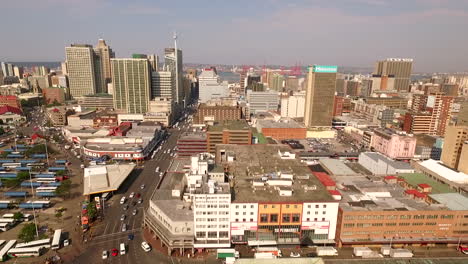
(249, 32)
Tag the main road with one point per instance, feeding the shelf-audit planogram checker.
(108, 233)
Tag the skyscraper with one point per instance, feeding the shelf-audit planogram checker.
(154, 62)
(320, 95)
(400, 68)
(174, 64)
(105, 53)
(81, 69)
(131, 80)
(210, 86)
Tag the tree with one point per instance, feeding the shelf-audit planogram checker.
(2, 131)
(92, 211)
(18, 216)
(28, 232)
(64, 188)
(22, 175)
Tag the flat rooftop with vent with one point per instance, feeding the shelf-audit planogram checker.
(266, 173)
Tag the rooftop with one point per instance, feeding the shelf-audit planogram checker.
(395, 164)
(414, 179)
(445, 172)
(164, 199)
(336, 167)
(283, 123)
(193, 136)
(259, 172)
(229, 125)
(454, 201)
(107, 178)
(372, 193)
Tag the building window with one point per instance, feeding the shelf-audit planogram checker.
(324, 212)
(286, 218)
(309, 206)
(243, 219)
(245, 206)
(223, 234)
(295, 206)
(252, 206)
(323, 219)
(315, 219)
(264, 218)
(273, 218)
(201, 234)
(212, 234)
(316, 206)
(237, 207)
(296, 217)
(265, 206)
(251, 219)
(237, 219)
(324, 206)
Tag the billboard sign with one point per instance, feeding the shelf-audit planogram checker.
(324, 69)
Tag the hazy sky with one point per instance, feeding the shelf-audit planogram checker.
(338, 32)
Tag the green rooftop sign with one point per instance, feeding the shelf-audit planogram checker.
(324, 68)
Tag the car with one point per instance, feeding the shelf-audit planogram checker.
(66, 242)
(138, 195)
(140, 201)
(142, 186)
(145, 246)
(114, 252)
(134, 212)
(124, 227)
(130, 236)
(125, 207)
(132, 195)
(122, 217)
(104, 254)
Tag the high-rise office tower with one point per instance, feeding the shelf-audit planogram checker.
(399, 68)
(154, 62)
(174, 64)
(81, 69)
(7, 69)
(131, 81)
(162, 84)
(320, 95)
(455, 136)
(103, 54)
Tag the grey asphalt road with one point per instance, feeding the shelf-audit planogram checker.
(108, 234)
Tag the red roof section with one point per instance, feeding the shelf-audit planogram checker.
(9, 97)
(390, 177)
(424, 185)
(415, 193)
(324, 178)
(6, 108)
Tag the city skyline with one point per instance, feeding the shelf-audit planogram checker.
(275, 33)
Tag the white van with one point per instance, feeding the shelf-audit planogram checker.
(157, 169)
(122, 249)
(122, 201)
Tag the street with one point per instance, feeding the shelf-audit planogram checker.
(108, 234)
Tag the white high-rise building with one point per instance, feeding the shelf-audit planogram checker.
(162, 84)
(210, 86)
(293, 106)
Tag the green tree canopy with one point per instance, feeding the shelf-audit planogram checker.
(28, 232)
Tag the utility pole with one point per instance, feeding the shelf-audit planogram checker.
(34, 210)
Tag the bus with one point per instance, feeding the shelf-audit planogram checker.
(56, 239)
(26, 252)
(5, 227)
(36, 243)
(7, 220)
(44, 203)
(12, 165)
(45, 189)
(25, 218)
(45, 180)
(37, 164)
(4, 250)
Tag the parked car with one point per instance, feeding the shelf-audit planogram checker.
(134, 212)
(140, 201)
(104, 254)
(114, 252)
(132, 195)
(124, 227)
(145, 246)
(122, 217)
(142, 186)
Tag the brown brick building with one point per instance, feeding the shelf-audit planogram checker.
(228, 132)
(217, 113)
(282, 129)
(53, 94)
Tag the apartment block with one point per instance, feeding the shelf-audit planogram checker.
(454, 146)
(236, 132)
(217, 113)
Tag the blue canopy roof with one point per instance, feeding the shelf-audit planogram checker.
(31, 205)
(15, 194)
